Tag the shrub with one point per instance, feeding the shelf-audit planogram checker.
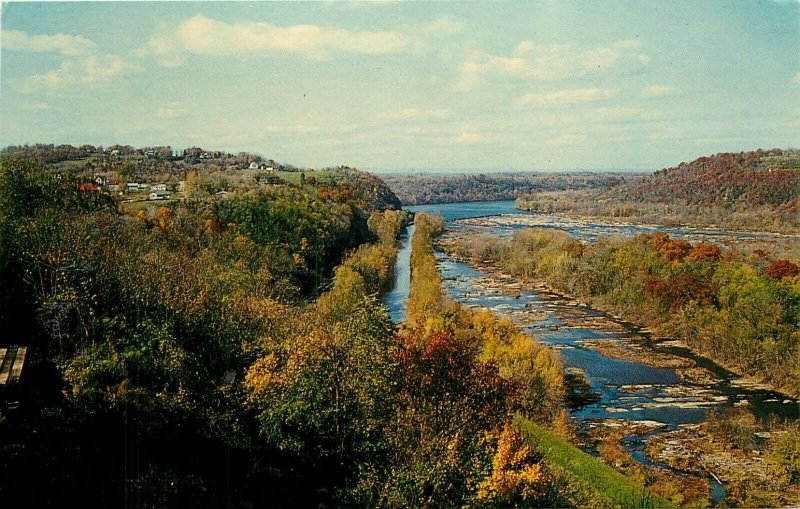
(734, 427)
(784, 450)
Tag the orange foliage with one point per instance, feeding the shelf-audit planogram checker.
(515, 477)
(675, 250)
(780, 269)
(704, 253)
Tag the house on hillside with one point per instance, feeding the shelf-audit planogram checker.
(88, 186)
(159, 187)
(261, 165)
(159, 195)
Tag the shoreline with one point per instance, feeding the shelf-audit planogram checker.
(644, 349)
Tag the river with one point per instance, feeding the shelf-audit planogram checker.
(623, 389)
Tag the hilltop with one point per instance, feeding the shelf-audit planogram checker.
(756, 190)
(727, 179)
(130, 174)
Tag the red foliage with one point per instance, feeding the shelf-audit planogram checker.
(704, 253)
(656, 240)
(675, 250)
(721, 179)
(443, 368)
(780, 269)
(677, 290)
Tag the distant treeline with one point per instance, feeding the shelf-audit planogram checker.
(424, 189)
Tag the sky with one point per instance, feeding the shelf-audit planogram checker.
(539, 85)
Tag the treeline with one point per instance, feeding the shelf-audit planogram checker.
(741, 311)
(175, 357)
(487, 412)
(423, 189)
(138, 163)
(758, 190)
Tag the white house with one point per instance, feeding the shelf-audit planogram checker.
(159, 195)
(158, 187)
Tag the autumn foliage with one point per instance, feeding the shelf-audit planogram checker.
(780, 269)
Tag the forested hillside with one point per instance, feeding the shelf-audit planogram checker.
(757, 190)
(173, 347)
(430, 188)
(745, 179)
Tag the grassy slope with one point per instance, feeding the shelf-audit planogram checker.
(594, 483)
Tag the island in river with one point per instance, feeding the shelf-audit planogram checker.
(652, 394)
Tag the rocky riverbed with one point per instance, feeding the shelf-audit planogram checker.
(625, 382)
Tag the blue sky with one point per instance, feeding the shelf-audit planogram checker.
(426, 85)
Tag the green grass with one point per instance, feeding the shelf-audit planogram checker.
(591, 482)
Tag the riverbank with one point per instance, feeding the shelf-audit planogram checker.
(547, 314)
(642, 351)
(652, 347)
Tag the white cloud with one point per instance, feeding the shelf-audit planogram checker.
(614, 113)
(171, 111)
(658, 90)
(472, 139)
(445, 25)
(69, 45)
(164, 49)
(87, 71)
(540, 62)
(564, 97)
(420, 114)
(204, 35)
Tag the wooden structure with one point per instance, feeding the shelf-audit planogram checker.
(11, 360)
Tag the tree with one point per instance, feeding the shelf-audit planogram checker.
(780, 269)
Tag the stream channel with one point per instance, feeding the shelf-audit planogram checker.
(622, 389)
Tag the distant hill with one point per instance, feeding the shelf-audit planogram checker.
(727, 179)
(453, 188)
(757, 190)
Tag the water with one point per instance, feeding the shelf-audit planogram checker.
(503, 218)
(397, 299)
(625, 389)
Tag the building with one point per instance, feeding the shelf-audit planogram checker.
(158, 187)
(159, 195)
